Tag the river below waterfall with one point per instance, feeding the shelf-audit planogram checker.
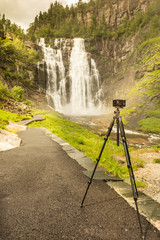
(99, 124)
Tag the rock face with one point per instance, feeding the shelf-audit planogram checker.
(115, 11)
(111, 57)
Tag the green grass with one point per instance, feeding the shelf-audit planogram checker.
(157, 160)
(154, 113)
(128, 112)
(147, 86)
(150, 124)
(141, 184)
(87, 142)
(6, 116)
(156, 147)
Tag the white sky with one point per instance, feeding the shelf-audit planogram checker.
(23, 12)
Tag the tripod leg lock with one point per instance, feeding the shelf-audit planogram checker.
(135, 199)
(129, 166)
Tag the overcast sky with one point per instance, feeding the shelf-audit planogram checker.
(23, 12)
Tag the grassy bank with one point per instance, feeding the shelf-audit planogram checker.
(6, 116)
(89, 143)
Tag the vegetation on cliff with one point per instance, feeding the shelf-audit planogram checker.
(146, 24)
(17, 62)
(7, 26)
(65, 22)
(147, 89)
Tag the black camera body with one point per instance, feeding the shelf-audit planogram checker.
(119, 103)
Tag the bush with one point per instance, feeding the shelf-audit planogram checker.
(3, 91)
(17, 93)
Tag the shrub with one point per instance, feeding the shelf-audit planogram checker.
(3, 90)
(17, 93)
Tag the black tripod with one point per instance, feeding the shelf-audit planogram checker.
(120, 127)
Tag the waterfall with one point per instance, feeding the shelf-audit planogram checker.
(84, 78)
(79, 92)
(56, 81)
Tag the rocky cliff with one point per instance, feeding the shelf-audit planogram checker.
(115, 11)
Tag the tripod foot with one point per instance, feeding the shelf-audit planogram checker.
(142, 237)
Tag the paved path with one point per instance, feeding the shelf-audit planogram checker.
(41, 189)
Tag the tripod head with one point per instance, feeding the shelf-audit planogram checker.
(117, 113)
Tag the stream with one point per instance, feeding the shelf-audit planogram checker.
(99, 124)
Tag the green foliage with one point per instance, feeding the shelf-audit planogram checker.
(28, 102)
(150, 124)
(6, 116)
(3, 127)
(157, 160)
(3, 91)
(11, 51)
(148, 59)
(128, 112)
(23, 53)
(17, 93)
(154, 113)
(7, 26)
(16, 58)
(141, 184)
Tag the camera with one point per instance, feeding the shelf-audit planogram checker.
(119, 103)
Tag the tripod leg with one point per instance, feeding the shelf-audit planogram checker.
(117, 120)
(131, 174)
(98, 159)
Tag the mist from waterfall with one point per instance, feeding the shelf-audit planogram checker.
(82, 95)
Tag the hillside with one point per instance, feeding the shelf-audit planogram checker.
(17, 69)
(121, 37)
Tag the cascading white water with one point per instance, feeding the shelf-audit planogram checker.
(56, 81)
(84, 78)
(82, 95)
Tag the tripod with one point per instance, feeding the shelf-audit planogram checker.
(120, 127)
